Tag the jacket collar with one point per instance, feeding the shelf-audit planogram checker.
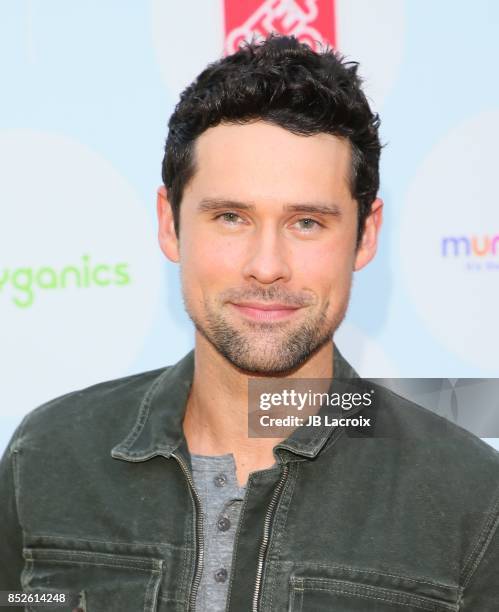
(158, 427)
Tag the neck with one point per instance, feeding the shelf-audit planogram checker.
(216, 417)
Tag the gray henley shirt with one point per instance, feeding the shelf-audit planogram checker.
(221, 500)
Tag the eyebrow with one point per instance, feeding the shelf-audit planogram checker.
(213, 204)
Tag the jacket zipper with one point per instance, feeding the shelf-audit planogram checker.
(266, 536)
(199, 533)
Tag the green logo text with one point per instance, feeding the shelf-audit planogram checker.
(27, 281)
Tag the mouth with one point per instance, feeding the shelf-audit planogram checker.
(265, 311)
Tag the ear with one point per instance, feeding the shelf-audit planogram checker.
(369, 242)
(167, 236)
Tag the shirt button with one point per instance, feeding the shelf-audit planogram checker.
(220, 480)
(223, 523)
(221, 575)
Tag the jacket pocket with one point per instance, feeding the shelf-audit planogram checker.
(335, 595)
(98, 582)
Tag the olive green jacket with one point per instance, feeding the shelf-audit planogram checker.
(97, 499)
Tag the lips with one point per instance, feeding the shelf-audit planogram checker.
(261, 311)
(266, 306)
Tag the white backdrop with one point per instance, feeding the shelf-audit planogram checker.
(87, 89)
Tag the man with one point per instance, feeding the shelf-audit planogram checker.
(147, 493)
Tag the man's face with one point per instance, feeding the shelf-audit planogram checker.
(267, 243)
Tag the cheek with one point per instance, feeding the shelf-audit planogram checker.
(209, 262)
(326, 267)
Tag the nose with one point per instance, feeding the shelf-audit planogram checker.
(267, 260)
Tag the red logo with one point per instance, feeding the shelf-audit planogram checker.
(311, 21)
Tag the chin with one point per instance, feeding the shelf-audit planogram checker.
(264, 369)
(257, 362)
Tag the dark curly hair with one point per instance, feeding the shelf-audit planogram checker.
(286, 83)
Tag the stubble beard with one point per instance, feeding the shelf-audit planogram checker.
(268, 348)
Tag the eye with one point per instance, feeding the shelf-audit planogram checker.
(231, 218)
(308, 224)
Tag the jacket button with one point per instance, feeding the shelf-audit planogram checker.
(223, 523)
(221, 575)
(220, 480)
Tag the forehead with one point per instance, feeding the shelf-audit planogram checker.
(260, 160)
